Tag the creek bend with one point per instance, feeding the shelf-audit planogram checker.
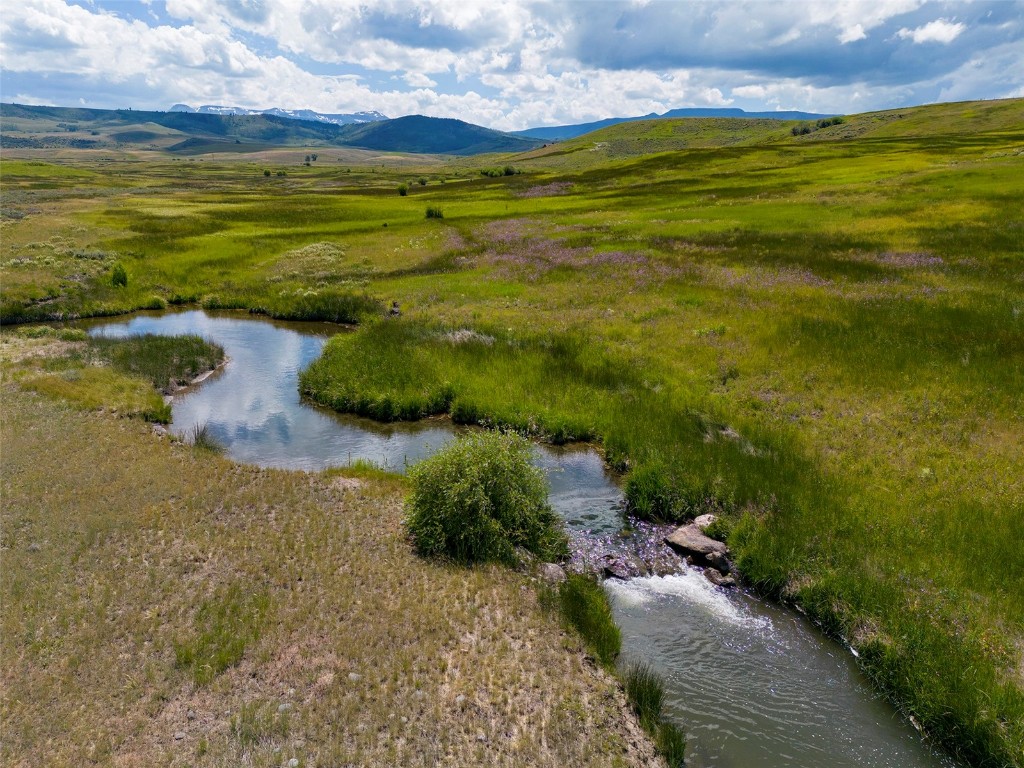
(753, 684)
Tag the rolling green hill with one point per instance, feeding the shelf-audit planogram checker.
(417, 133)
(636, 139)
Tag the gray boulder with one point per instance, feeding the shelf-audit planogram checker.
(719, 579)
(552, 573)
(690, 541)
(704, 521)
(720, 562)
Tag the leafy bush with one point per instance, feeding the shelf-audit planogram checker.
(585, 606)
(434, 212)
(118, 276)
(494, 173)
(422, 181)
(403, 189)
(480, 498)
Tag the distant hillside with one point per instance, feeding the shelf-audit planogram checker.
(196, 133)
(294, 114)
(434, 135)
(633, 139)
(561, 132)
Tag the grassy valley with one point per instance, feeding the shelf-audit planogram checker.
(819, 336)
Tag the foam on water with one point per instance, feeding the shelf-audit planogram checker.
(693, 589)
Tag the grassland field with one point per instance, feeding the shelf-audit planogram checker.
(820, 337)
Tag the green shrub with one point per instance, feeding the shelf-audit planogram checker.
(434, 212)
(422, 181)
(266, 171)
(480, 498)
(118, 276)
(403, 189)
(585, 606)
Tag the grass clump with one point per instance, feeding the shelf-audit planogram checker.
(202, 439)
(257, 721)
(120, 374)
(225, 625)
(330, 306)
(166, 361)
(584, 605)
(480, 498)
(434, 212)
(645, 691)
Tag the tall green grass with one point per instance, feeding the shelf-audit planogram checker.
(646, 694)
(584, 605)
(166, 361)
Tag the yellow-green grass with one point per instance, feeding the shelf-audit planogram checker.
(165, 607)
(823, 338)
(124, 376)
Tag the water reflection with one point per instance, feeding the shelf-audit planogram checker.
(252, 405)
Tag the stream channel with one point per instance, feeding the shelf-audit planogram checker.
(754, 685)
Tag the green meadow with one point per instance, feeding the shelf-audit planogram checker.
(818, 336)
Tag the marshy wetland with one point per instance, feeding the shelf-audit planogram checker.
(819, 338)
(748, 683)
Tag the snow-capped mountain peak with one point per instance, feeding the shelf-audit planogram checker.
(292, 114)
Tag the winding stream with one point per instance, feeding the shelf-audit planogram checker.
(753, 684)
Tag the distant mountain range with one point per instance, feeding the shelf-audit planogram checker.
(555, 133)
(210, 128)
(202, 132)
(294, 114)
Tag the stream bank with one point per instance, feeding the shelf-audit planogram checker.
(753, 684)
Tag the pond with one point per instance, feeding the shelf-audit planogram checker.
(753, 684)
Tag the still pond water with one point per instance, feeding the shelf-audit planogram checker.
(754, 685)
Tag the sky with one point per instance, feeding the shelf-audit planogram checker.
(510, 64)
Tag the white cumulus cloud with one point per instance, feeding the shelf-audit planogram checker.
(938, 31)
